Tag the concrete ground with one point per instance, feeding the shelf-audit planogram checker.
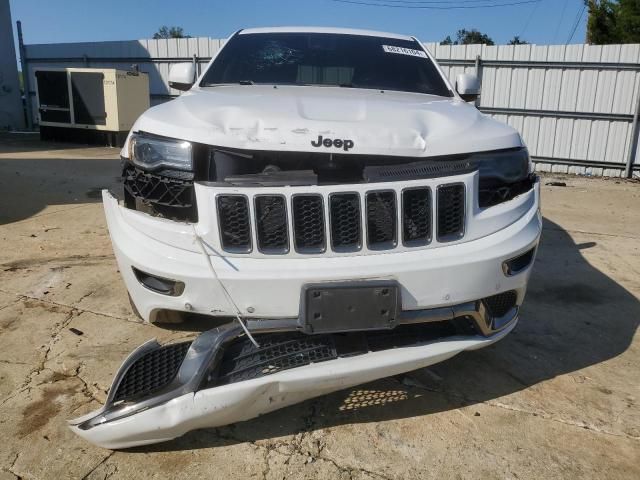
(558, 398)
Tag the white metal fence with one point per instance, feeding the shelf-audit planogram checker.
(573, 104)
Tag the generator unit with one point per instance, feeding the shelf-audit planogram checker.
(89, 105)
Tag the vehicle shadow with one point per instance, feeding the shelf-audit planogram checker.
(29, 185)
(574, 316)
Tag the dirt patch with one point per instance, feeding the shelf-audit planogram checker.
(49, 307)
(68, 261)
(36, 415)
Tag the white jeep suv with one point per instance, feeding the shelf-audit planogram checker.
(334, 205)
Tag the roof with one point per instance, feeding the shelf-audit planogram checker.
(344, 31)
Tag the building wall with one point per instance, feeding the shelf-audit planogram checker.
(11, 111)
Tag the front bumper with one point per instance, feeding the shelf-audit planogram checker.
(439, 287)
(269, 287)
(190, 401)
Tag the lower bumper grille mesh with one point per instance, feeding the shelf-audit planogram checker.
(151, 372)
(499, 305)
(282, 351)
(243, 361)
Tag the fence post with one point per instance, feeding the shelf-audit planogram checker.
(25, 76)
(633, 146)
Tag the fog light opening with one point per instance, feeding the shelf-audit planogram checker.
(163, 286)
(518, 264)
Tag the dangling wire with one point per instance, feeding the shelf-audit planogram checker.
(224, 289)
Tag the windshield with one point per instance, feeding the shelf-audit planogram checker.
(326, 59)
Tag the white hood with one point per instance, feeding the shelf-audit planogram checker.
(290, 118)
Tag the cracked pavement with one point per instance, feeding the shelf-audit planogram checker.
(558, 398)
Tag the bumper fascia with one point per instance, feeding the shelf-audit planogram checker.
(270, 288)
(173, 413)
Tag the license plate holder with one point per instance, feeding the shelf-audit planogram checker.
(350, 306)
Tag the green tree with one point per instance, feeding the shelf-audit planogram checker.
(602, 26)
(629, 21)
(517, 41)
(447, 41)
(468, 37)
(170, 32)
(613, 21)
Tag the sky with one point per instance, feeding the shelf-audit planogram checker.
(53, 21)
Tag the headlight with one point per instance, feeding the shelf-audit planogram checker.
(153, 152)
(504, 167)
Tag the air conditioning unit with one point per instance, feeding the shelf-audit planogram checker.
(89, 105)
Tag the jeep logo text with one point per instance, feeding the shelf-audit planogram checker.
(338, 143)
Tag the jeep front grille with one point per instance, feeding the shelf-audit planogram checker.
(312, 223)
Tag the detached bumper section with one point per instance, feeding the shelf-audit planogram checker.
(162, 392)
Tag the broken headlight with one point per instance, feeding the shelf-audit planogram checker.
(503, 175)
(150, 153)
(508, 166)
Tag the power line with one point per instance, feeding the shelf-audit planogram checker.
(577, 22)
(526, 25)
(433, 7)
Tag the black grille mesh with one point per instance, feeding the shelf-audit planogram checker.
(308, 223)
(381, 219)
(499, 305)
(416, 216)
(235, 228)
(345, 220)
(270, 215)
(155, 188)
(244, 361)
(241, 360)
(151, 372)
(450, 212)
(271, 224)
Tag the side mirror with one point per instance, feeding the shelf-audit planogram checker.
(468, 87)
(182, 76)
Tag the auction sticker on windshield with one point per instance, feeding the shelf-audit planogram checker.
(404, 51)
